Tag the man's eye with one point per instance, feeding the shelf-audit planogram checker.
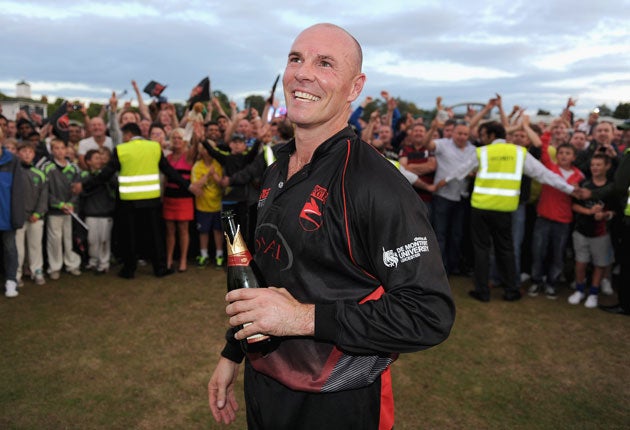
(325, 64)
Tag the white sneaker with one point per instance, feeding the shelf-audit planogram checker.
(576, 298)
(54, 275)
(11, 289)
(591, 301)
(606, 287)
(534, 289)
(38, 277)
(525, 277)
(76, 271)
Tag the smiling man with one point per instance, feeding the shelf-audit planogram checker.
(354, 271)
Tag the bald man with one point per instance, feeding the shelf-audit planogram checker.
(354, 271)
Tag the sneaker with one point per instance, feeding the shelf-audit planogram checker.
(20, 283)
(39, 277)
(606, 287)
(534, 290)
(142, 262)
(202, 261)
(11, 289)
(525, 277)
(55, 275)
(76, 271)
(576, 298)
(219, 261)
(591, 301)
(551, 292)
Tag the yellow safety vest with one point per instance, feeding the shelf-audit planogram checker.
(498, 181)
(270, 158)
(139, 177)
(396, 163)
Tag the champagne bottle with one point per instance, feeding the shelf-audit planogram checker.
(242, 272)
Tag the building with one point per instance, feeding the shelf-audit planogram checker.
(23, 101)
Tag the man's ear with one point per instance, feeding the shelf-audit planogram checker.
(357, 87)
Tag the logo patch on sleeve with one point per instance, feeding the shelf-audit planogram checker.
(405, 253)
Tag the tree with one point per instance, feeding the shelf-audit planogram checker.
(604, 110)
(543, 112)
(255, 101)
(224, 101)
(622, 111)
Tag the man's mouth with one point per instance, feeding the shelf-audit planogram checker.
(305, 96)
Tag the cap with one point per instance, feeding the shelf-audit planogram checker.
(238, 136)
(624, 125)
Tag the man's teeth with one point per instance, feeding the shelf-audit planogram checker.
(307, 96)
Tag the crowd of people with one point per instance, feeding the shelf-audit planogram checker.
(223, 156)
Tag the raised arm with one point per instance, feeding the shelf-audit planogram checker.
(142, 107)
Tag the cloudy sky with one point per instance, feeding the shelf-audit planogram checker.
(535, 53)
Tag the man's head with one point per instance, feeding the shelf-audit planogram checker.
(237, 144)
(12, 130)
(447, 130)
(24, 127)
(97, 127)
(157, 134)
(565, 155)
(460, 134)
(491, 131)
(385, 134)
(603, 133)
(213, 132)
(128, 116)
(3, 124)
(129, 131)
(244, 127)
(578, 140)
(417, 133)
(11, 145)
(600, 163)
(33, 137)
(322, 77)
(75, 132)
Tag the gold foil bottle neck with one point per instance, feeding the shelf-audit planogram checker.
(238, 246)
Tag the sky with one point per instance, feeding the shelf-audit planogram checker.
(534, 53)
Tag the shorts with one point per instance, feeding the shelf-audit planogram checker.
(207, 221)
(597, 250)
(178, 208)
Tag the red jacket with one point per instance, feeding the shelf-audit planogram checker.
(555, 205)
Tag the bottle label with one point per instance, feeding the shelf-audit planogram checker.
(240, 259)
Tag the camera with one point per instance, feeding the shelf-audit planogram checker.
(76, 106)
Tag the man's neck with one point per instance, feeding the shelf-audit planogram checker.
(99, 139)
(599, 180)
(61, 162)
(307, 140)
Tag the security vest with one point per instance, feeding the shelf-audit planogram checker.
(498, 181)
(396, 163)
(270, 158)
(139, 177)
(627, 211)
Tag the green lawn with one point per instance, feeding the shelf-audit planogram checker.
(96, 352)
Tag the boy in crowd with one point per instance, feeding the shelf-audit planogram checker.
(208, 207)
(591, 240)
(61, 175)
(553, 225)
(35, 198)
(98, 205)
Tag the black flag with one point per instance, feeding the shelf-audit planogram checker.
(60, 121)
(154, 89)
(273, 90)
(201, 92)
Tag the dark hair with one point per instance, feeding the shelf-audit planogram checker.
(285, 130)
(567, 145)
(601, 156)
(31, 134)
(90, 154)
(131, 127)
(156, 125)
(493, 127)
(451, 121)
(209, 123)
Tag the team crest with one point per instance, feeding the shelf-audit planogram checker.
(311, 213)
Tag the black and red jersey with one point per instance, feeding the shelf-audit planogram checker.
(349, 234)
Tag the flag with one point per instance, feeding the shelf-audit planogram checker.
(201, 92)
(60, 121)
(154, 89)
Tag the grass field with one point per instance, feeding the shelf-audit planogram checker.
(97, 352)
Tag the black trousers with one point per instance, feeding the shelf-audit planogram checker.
(272, 406)
(488, 228)
(141, 224)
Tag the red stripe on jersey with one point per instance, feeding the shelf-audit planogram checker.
(386, 420)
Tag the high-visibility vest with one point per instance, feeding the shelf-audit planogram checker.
(627, 211)
(270, 158)
(139, 177)
(498, 181)
(396, 163)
